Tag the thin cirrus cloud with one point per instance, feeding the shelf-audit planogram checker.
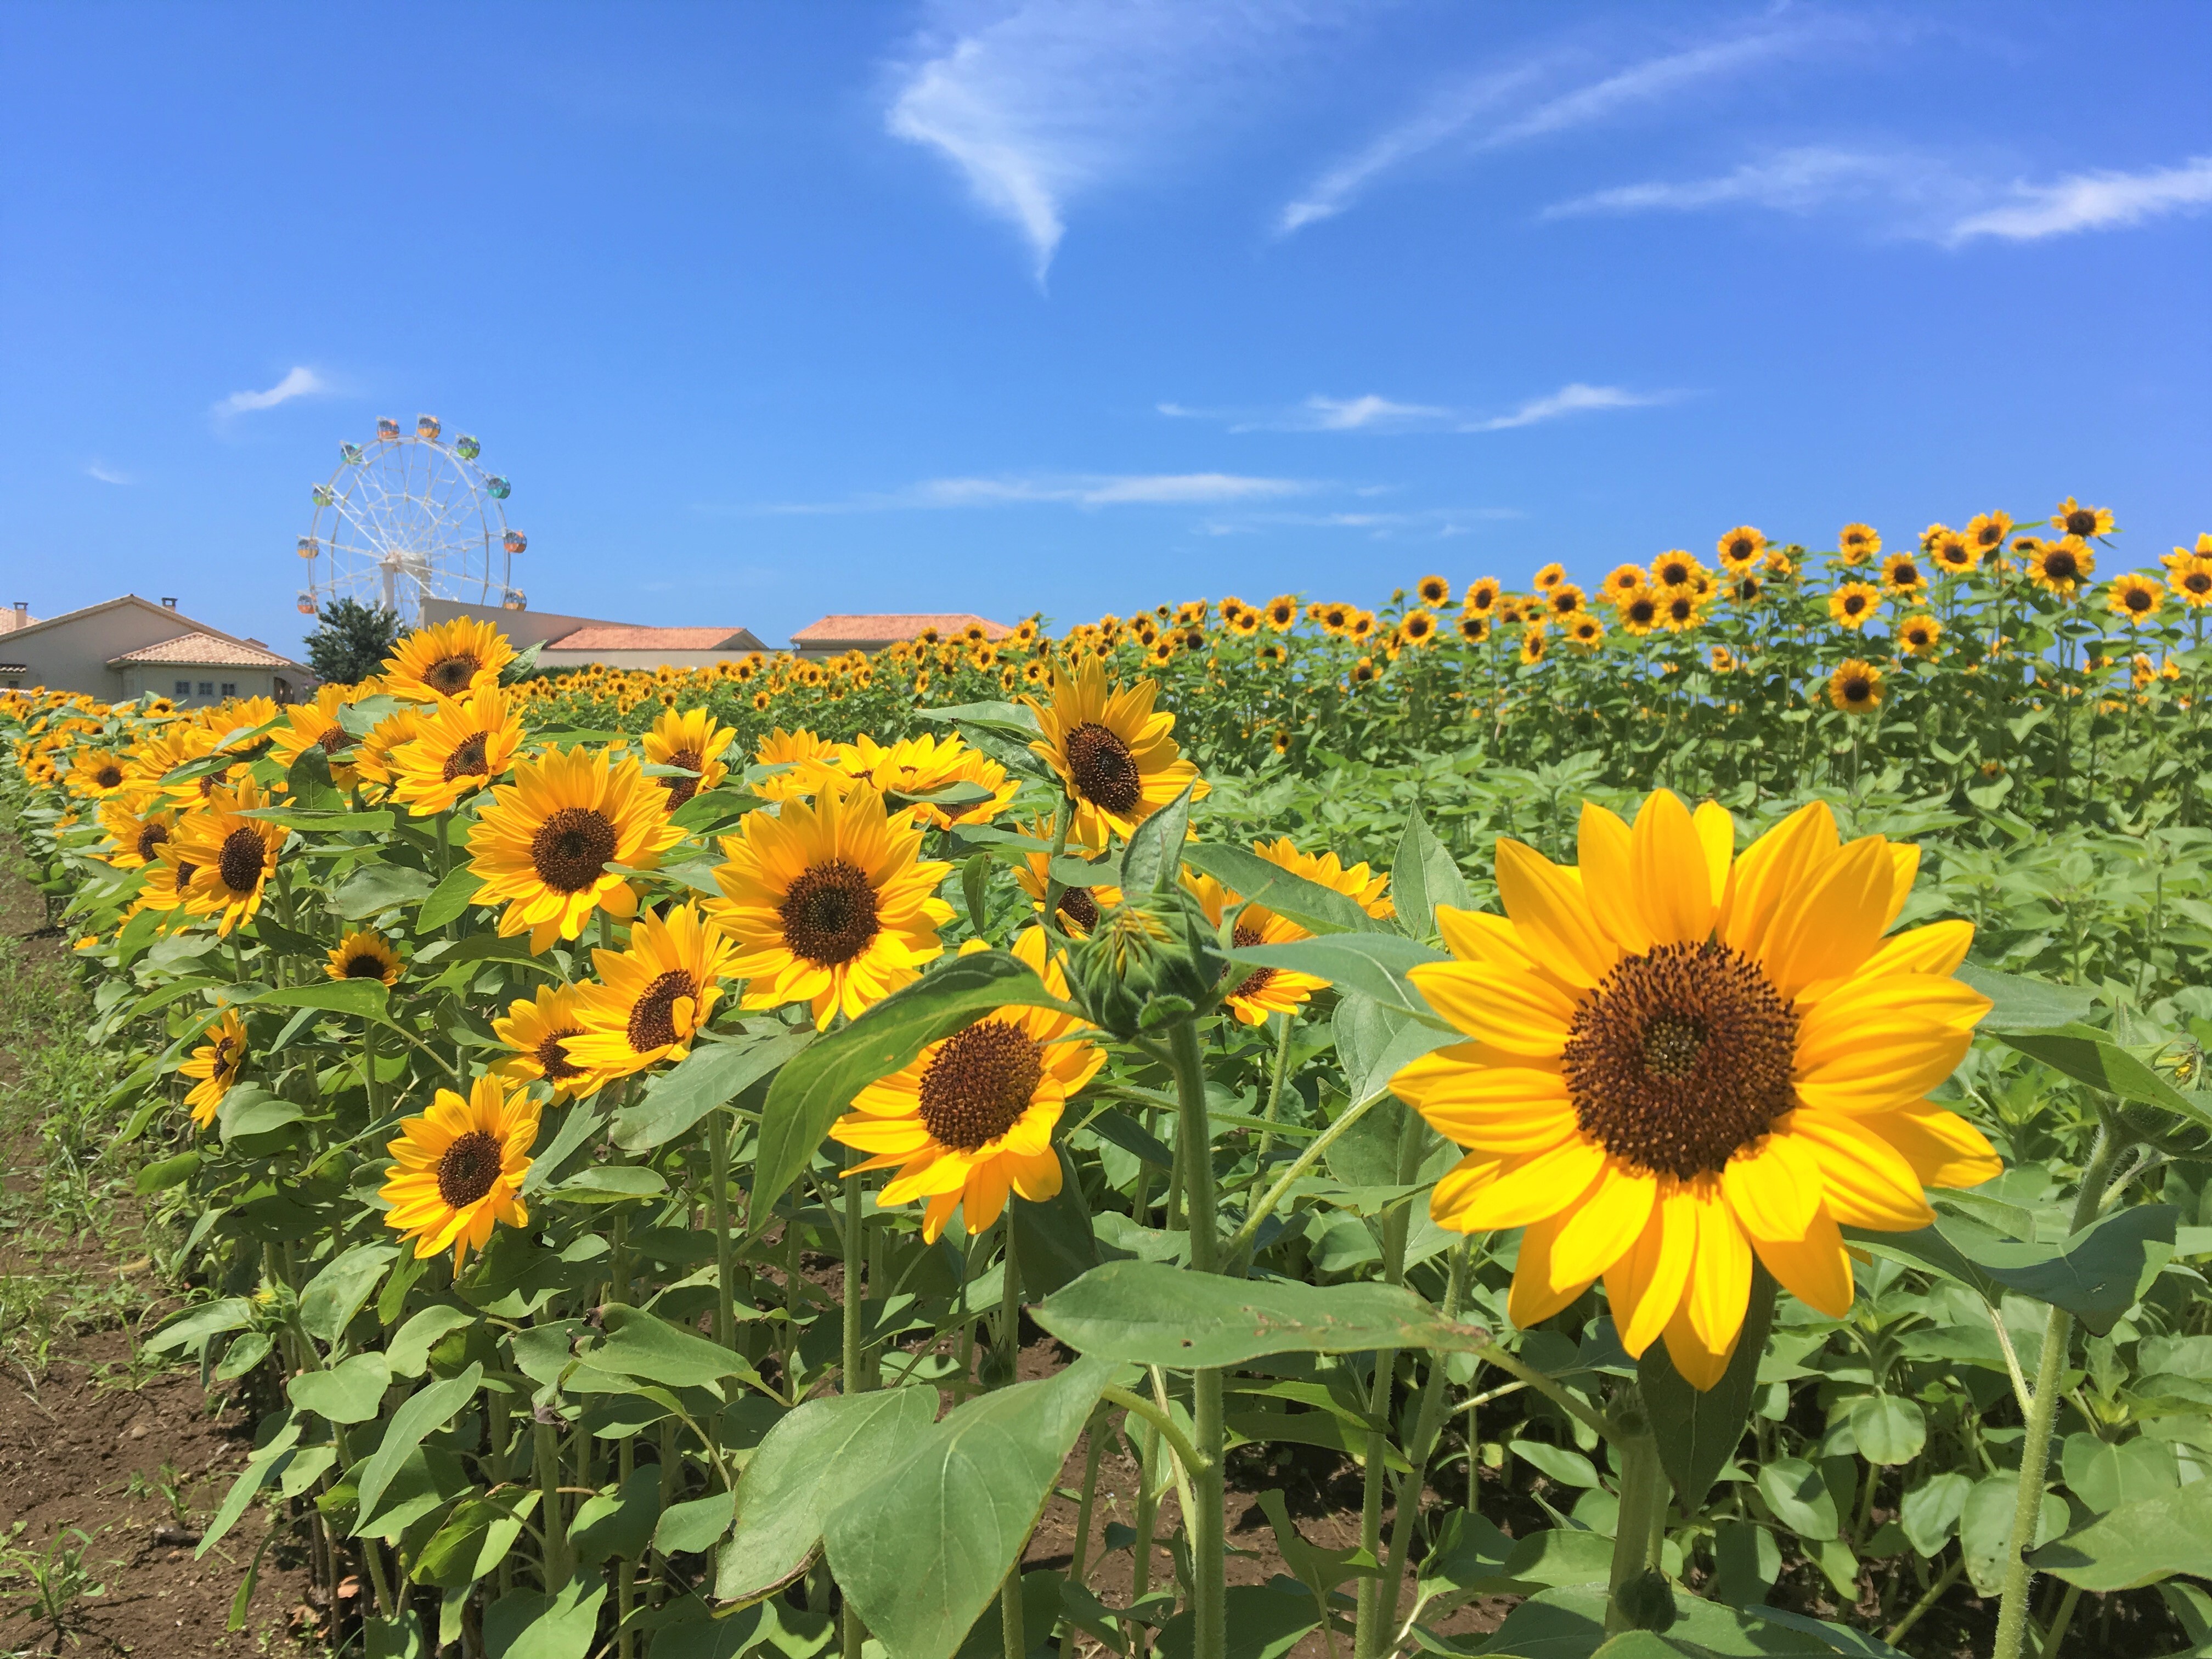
(1918, 198)
(1056, 97)
(1505, 107)
(1086, 489)
(1373, 413)
(107, 474)
(299, 383)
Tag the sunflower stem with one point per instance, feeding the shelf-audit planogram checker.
(1193, 1155)
(718, 1208)
(1644, 1493)
(2043, 1410)
(853, 1382)
(1425, 1427)
(1282, 1062)
(556, 1529)
(1009, 1307)
(1369, 1628)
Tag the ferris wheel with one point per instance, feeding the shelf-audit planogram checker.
(408, 517)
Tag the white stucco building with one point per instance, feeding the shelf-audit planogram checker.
(130, 646)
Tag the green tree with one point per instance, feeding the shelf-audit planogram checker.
(351, 640)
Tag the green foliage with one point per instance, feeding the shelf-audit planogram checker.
(350, 641)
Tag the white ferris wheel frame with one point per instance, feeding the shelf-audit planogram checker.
(405, 518)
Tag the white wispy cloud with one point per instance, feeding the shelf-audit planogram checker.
(2092, 201)
(107, 474)
(1372, 413)
(1790, 180)
(300, 383)
(1573, 398)
(1086, 489)
(1050, 97)
(1505, 107)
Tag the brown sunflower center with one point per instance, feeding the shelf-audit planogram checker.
(468, 1168)
(2060, 565)
(452, 674)
(652, 1021)
(2082, 521)
(150, 835)
(1672, 575)
(551, 1054)
(2198, 581)
(2139, 598)
(571, 849)
(365, 965)
(334, 738)
(682, 789)
(240, 862)
(829, 914)
(1243, 937)
(979, 1084)
(468, 759)
(1858, 688)
(1077, 905)
(1681, 1059)
(1102, 769)
(108, 775)
(1904, 574)
(1853, 603)
(1742, 548)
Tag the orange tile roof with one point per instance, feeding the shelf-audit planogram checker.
(888, 626)
(205, 651)
(622, 637)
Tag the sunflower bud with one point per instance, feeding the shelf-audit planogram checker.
(1150, 961)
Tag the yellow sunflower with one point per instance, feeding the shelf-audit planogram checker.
(364, 954)
(1434, 591)
(828, 903)
(1741, 548)
(919, 765)
(1721, 659)
(459, 747)
(1481, 595)
(97, 773)
(1586, 632)
(1549, 577)
(1954, 553)
(1418, 628)
(446, 660)
(232, 856)
(1564, 600)
(2079, 522)
(2061, 567)
(694, 740)
(2192, 580)
(1078, 905)
(1986, 532)
(1916, 635)
(1622, 581)
(1853, 602)
(460, 1167)
(2138, 597)
(169, 885)
(1639, 611)
(971, 1118)
(1682, 1060)
(1114, 755)
(1473, 627)
(1674, 570)
(1858, 542)
(1678, 611)
(543, 846)
(315, 725)
(1283, 612)
(1856, 687)
(1901, 577)
(806, 760)
(373, 757)
(137, 834)
(539, 1029)
(216, 1063)
(652, 997)
(1356, 882)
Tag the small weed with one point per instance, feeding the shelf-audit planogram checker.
(48, 1586)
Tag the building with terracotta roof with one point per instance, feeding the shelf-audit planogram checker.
(872, 631)
(130, 646)
(576, 641)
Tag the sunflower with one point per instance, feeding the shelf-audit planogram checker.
(1674, 570)
(136, 835)
(1986, 532)
(168, 884)
(1473, 627)
(1683, 1060)
(447, 659)
(1622, 581)
(460, 1167)
(694, 740)
(1586, 632)
(1858, 542)
(1740, 549)
(827, 904)
(1113, 753)
(315, 725)
(916, 766)
(1261, 991)
(1419, 628)
(1901, 577)
(1078, 905)
(1639, 611)
(372, 760)
(97, 773)
(1723, 660)
(1364, 672)
(232, 856)
(539, 1029)
(543, 846)
(1856, 687)
(2062, 565)
(1745, 590)
(652, 997)
(1549, 577)
(1564, 599)
(1270, 655)
(970, 1118)
(2192, 580)
(1533, 645)
(1356, 882)
(216, 1063)
(364, 954)
(2079, 522)
(1916, 635)
(1954, 553)
(1678, 611)
(2136, 597)
(1853, 602)
(1361, 626)
(1283, 612)
(459, 747)
(1245, 623)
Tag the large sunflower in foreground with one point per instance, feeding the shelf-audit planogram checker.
(1682, 1059)
(694, 740)
(1261, 991)
(232, 855)
(827, 903)
(460, 745)
(540, 1030)
(215, 1065)
(543, 846)
(448, 659)
(971, 1118)
(652, 997)
(459, 1169)
(1114, 754)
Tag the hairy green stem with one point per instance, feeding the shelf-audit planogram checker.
(1312, 1155)
(717, 1210)
(1427, 1426)
(1094, 1442)
(1643, 1493)
(1369, 1624)
(1194, 1147)
(554, 1528)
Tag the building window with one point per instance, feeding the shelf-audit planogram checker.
(207, 687)
(184, 688)
(230, 687)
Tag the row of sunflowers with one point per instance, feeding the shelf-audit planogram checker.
(569, 1130)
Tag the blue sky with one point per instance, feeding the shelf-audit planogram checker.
(771, 311)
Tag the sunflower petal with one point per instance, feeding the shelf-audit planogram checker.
(1536, 1296)
(1645, 1284)
(1518, 1012)
(1866, 1181)
(1813, 1267)
(1672, 882)
(1720, 1279)
(1605, 1226)
(1530, 1190)
(1548, 907)
(1942, 1147)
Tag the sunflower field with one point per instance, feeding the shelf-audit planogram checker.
(1659, 1118)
